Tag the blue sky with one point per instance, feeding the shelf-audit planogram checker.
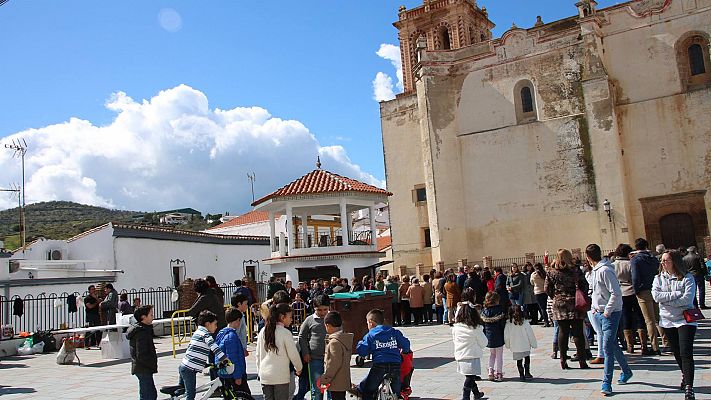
(307, 61)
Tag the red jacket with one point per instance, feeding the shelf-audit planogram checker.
(490, 285)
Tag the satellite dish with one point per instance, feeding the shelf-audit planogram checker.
(56, 255)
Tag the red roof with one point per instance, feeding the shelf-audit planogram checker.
(322, 181)
(251, 217)
(384, 242)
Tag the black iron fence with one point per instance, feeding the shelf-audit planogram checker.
(53, 311)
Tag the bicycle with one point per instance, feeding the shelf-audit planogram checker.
(385, 391)
(203, 392)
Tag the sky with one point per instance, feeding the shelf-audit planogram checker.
(153, 105)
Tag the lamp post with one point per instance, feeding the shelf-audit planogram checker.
(608, 209)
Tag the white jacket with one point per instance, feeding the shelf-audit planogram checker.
(469, 343)
(273, 367)
(519, 338)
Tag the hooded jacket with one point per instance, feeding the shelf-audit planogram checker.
(519, 338)
(143, 352)
(494, 324)
(674, 296)
(644, 267)
(469, 343)
(230, 344)
(384, 343)
(337, 372)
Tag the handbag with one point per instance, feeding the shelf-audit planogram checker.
(693, 315)
(582, 300)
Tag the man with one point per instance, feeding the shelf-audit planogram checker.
(462, 277)
(243, 290)
(660, 250)
(696, 267)
(110, 304)
(91, 302)
(607, 310)
(274, 286)
(644, 266)
(290, 289)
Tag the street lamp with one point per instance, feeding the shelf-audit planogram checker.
(607, 208)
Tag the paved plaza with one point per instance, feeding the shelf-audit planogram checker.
(435, 377)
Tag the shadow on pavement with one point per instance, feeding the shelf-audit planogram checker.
(11, 390)
(431, 362)
(8, 366)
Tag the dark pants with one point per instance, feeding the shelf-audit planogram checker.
(631, 313)
(681, 341)
(338, 395)
(532, 311)
(700, 284)
(230, 387)
(369, 386)
(440, 314)
(428, 313)
(307, 380)
(568, 327)
(542, 299)
(406, 312)
(146, 387)
(396, 314)
(417, 312)
(470, 385)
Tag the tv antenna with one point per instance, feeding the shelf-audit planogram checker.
(19, 148)
(252, 177)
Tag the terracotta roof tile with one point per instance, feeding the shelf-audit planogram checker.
(322, 181)
(251, 217)
(384, 242)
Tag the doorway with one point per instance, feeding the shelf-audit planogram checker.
(677, 230)
(321, 272)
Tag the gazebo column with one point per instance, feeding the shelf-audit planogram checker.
(290, 227)
(272, 231)
(373, 227)
(344, 223)
(305, 230)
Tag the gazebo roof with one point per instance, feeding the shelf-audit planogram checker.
(322, 181)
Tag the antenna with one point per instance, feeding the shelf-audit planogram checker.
(19, 148)
(252, 177)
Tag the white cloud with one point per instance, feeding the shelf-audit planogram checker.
(383, 83)
(167, 152)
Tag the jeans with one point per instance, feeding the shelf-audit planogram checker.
(146, 387)
(612, 351)
(307, 380)
(701, 284)
(556, 330)
(440, 314)
(681, 341)
(276, 392)
(188, 380)
(369, 385)
(229, 385)
(568, 327)
(542, 300)
(516, 298)
(596, 328)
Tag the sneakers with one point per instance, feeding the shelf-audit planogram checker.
(478, 395)
(491, 375)
(598, 361)
(624, 378)
(499, 377)
(606, 389)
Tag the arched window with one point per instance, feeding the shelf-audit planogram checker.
(696, 59)
(692, 56)
(483, 37)
(525, 102)
(444, 42)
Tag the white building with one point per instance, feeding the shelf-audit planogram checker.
(318, 238)
(131, 257)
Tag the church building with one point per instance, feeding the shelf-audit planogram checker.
(591, 129)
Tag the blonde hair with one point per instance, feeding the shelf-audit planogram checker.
(564, 259)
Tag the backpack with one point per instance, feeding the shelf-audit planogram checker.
(50, 343)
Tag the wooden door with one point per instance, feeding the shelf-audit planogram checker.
(677, 230)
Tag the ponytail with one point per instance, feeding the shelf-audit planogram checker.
(275, 313)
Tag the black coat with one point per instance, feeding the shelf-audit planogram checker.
(143, 352)
(209, 301)
(494, 324)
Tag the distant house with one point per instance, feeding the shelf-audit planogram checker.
(179, 216)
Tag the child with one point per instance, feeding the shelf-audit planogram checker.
(197, 355)
(241, 302)
(299, 310)
(231, 344)
(144, 361)
(275, 349)
(519, 337)
(385, 344)
(469, 342)
(312, 342)
(494, 323)
(339, 346)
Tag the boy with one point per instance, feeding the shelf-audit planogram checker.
(241, 302)
(231, 344)
(312, 341)
(144, 361)
(198, 352)
(339, 346)
(385, 344)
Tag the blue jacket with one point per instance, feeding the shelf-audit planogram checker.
(384, 343)
(461, 279)
(494, 325)
(644, 267)
(229, 343)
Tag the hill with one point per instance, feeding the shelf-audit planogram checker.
(56, 220)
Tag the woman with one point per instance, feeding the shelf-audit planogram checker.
(474, 282)
(538, 281)
(529, 300)
(674, 289)
(561, 283)
(405, 301)
(488, 280)
(453, 297)
(367, 283)
(631, 312)
(514, 285)
(416, 296)
(379, 282)
(438, 296)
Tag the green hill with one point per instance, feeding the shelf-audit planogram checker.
(56, 220)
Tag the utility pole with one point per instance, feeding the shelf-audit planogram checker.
(19, 147)
(252, 177)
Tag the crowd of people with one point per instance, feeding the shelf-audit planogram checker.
(619, 299)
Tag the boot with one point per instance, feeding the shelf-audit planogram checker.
(689, 393)
(563, 361)
(527, 368)
(583, 364)
(521, 375)
(466, 393)
(644, 340)
(629, 338)
(554, 354)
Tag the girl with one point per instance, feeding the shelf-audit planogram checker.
(494, 325)
(674, 289)
(275, 349)
(538, 280)
(519, 337)
(469, 342)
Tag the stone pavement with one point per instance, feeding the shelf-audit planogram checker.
(435, 377)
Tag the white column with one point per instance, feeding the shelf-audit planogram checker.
(344, 223)
(290, 227)
(305, 230)
(373, 227)
(272, 231)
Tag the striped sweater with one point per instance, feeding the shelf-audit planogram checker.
(197, 355)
